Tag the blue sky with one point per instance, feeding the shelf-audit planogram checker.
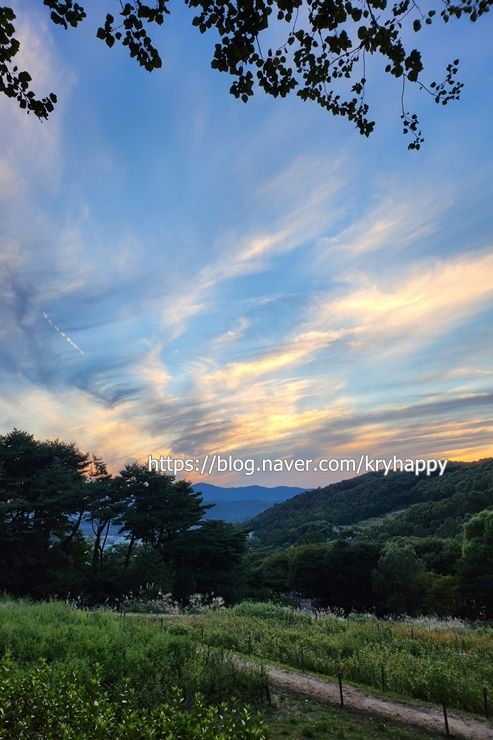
(248, 279)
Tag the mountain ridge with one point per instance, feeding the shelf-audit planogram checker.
(240, 503)
(468, 487)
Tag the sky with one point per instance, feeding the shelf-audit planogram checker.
(184, 274)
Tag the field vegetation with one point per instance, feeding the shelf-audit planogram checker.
(441, 661)
(76, 674)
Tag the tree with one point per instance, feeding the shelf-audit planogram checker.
(214, 554)
(158, 511)
(105, 505)
(476, 564)
(396, 581)
(337, 574)
(274, 571)
(322, 55)
(42, 499)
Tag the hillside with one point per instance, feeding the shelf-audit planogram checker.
(421, 506)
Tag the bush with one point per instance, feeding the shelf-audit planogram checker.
(152, 660)
(40, 701)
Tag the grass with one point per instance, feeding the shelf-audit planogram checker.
(297, 718)
(428, 661)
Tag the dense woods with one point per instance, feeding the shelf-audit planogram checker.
(421, 506)
(387, 544)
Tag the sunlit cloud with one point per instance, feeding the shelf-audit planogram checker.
(302, 347)
(94, 427)
(431, 299)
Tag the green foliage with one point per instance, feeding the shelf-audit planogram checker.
(451, 501)
(336, 574)
(49, 489)
(437, 505)
(127, 653)
(259, 610)
(43, 497)
(322, 57)
(41, 700)
(218, 567)
(396, 578)
(422, 568)
(476, 566)
(431, 660)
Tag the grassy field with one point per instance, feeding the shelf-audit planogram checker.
(66, 673)
(77, 675)
(437, 662)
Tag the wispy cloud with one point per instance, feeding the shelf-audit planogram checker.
(431, 298)
(294, 221)
(392, 222)
(302, 347)
(231, 335)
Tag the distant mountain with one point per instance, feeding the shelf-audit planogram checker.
(230, 504)
(406, 505)
(237, 504)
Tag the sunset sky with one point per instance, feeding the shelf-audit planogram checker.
(249, 279)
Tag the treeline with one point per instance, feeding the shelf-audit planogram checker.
(49, 490)
(51, 493)
(411, 575)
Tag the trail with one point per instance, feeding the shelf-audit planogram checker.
(404, 712)
(430, 719)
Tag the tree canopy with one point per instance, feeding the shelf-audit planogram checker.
(320, 50)
(58, 505)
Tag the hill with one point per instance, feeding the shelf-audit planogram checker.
(237, 504)
(409, 506)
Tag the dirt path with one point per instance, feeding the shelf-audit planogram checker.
(413, 715)
(429, 719)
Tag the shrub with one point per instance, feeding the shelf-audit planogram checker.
(39, 701)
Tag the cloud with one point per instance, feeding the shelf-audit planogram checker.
(400, 219)
(232, 335)
(31, 149)
(93, 426)
(433, 298)
(302, 347)
(291, 222)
